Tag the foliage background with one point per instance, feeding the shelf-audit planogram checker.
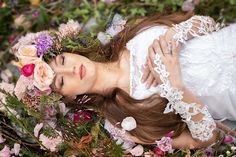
(17, 17)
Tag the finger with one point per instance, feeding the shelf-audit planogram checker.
(155, 83)
(163, 45)
(149, 81)
(146, 72)
(157, 48)
(175, 48)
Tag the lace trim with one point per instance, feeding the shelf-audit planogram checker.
(203, 129)
(206, 25)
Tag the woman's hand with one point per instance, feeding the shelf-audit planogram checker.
(169, 57)
(147, 77)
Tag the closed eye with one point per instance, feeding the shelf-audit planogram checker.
(62, 60)
(62, 82)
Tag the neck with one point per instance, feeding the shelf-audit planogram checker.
(108, 75)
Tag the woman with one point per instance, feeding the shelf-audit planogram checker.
(110, 82)
(114, 83)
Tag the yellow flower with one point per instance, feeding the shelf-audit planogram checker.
(27, 54)
(35, 2)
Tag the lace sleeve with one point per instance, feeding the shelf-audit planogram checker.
(201, 129)
(194, 27)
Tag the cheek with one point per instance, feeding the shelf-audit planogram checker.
(75, 86)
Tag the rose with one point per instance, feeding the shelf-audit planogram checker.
(165, 144)
(159, 152)
(27, 54)
(81, 115)
(43, 76)
(129, 123)
(228, 139)
(27, 70)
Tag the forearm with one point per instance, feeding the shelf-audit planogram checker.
(195, 26)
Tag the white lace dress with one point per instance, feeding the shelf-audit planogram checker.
(208, 66)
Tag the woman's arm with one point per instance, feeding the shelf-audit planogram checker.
(165, 66)
(193, 27)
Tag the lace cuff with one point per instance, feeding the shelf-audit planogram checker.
(195, 26)
(202, 129)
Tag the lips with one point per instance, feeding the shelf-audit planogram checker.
(82, 71)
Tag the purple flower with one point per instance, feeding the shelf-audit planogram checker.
(35, 14)
(209, 152)
(44, 42)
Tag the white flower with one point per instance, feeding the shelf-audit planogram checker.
(129, 123)
(118, 24)
(137, 151)
(16, 149)
(70, 28)
(9, 88)
(50, 142)
(6, 75)
(43, 76)
(103, 38)
(37, 128)
(63, 108)
(21, 21)
(5, 152)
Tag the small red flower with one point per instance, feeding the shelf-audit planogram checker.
(159, 152)
(81, 116)
(27, 70)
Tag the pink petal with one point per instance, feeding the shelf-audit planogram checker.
(137, 151)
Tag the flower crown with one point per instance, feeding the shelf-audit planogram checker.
(34, 49)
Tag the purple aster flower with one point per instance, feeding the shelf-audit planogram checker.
(44, 42)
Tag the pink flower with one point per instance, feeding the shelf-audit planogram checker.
(5, 152)
(50, 112)
(81, 115)
(165, 144)
(37, 128)
(228, 139)
(22, 84)
(70, 28)
(16, 149)
(43, 76)
(159, 152)
(188, 5)
(51, 143)
(28, 69)
(137, 151)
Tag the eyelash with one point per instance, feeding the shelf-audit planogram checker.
(62, 81)
(63, 60)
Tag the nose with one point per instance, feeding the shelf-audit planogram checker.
(67, 70)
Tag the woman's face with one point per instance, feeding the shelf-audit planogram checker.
(75, 74)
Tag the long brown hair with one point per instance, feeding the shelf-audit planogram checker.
(152, 124)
